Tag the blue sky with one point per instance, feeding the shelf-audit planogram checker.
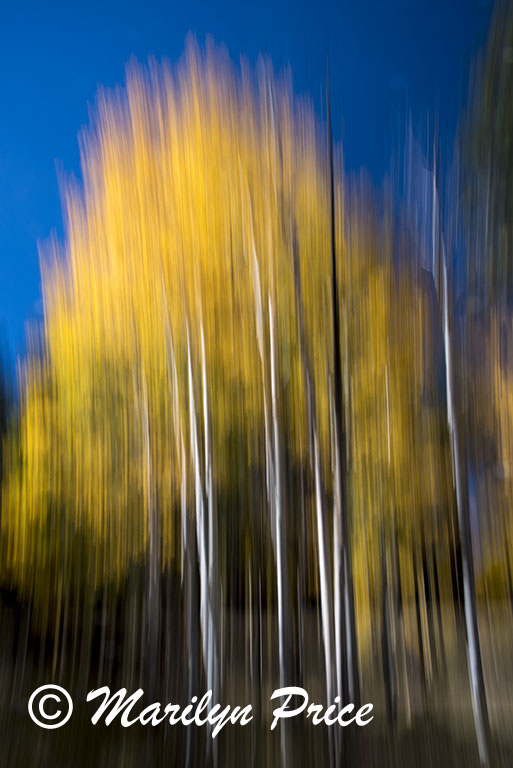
(387, 58)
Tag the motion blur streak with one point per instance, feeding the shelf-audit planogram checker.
(195, 492)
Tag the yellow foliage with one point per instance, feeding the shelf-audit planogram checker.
(198, 186)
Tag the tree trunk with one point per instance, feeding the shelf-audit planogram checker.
(345, 624)
(475, 665)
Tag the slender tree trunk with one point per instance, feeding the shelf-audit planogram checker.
(386, 637)
(152, 602)
(400, 636)
(214, 598)
(438, 609)
(191, 594)
(201, 533)
(324, 550)
(475, 664)
(418, 615)
(278, 521)
(284, 611)
(430, 619)
(345, 623)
